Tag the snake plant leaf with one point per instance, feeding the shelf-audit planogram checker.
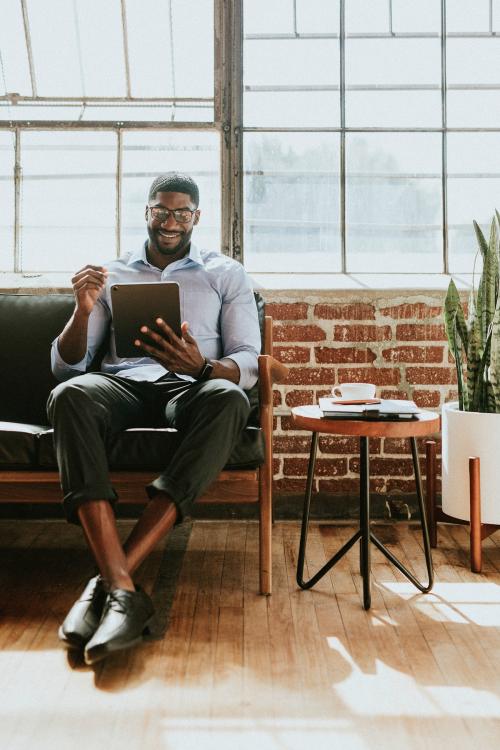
(489, 283)
(480, 398)
(463, 399)
(481, 239)
(474, 354)
(454, 316)
(494, 369)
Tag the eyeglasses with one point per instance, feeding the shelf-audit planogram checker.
(181, 215)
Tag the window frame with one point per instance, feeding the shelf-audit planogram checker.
(228, 120)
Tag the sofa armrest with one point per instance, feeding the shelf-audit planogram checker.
(270, 371)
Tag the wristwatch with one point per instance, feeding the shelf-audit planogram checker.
(205, 371)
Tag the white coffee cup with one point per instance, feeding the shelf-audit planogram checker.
(354, 391)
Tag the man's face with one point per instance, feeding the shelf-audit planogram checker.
(167, 235)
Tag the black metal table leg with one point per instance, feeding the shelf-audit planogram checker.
(364, 533)
(305, 526)
(364, 512)
(424, 588)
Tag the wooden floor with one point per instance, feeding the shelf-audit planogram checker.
(236, 670)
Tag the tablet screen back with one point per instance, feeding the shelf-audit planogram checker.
(135, 305)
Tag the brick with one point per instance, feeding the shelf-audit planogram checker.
(348, 485)
(292, 332)
(292, 354)
(343, 444)
(291, 444)
(325, 467)
(343, 354)
(384, 467)
(393, 394)
(420, 332)
(418, 354)
(362, 333)
(412, 310)
(286, 423)
(349, 311)
(299, 398)
(290, 486)
(377, 375)
(311, 376)
(427, 399)
(402, 445)
(276, 466)
(287, 310)
(431, 375)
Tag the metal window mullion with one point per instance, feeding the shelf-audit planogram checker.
(343, 246)
(125, 47)
(29, 49)
(222, 113)
(17, 202)
(236, 131)
(118, 223)
(444, 139)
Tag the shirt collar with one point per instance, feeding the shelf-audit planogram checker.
(139, 255)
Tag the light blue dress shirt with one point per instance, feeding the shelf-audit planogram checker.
(216, 300)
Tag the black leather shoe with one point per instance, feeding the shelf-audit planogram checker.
(85, 615)
(124, 622)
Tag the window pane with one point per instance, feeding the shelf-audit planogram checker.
(473, 60)
(395, 62)
(14, 69)
(68, 205)
(268, 16)
(393, 202)
(310, 64)
(185, 64)
(302, 109)
(291, 206)
(409, 16)
(403, 109)
(317, 16)
(57, 66)
(148, 154)
(6, 201)
(101, 41)
(473, 192)
(473, 109)
(462, 15)
(361, 16)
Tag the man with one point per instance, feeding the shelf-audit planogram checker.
(194, 383)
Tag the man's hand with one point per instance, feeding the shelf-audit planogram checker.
(180, 355)
(88, 283)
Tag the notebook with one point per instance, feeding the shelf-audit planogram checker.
(385, 409)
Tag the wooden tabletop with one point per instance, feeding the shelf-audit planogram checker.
(311, 418)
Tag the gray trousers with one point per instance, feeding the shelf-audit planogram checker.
(87, 410)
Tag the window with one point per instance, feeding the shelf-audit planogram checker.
(326, 135)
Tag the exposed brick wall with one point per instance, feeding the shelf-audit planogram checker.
(393, 339)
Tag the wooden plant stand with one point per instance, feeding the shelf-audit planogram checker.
(477, 530)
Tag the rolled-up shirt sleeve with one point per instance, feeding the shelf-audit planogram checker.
(240, 330)
(98, 325)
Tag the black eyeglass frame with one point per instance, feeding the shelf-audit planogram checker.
(173, 213)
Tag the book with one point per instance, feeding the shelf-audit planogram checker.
(384, 409)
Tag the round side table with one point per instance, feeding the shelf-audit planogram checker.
(310, 418)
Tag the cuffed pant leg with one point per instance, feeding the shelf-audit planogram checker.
(83, 412)
(209, 416)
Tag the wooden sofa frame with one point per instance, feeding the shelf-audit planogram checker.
(238, 486)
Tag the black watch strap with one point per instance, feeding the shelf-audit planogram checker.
(205, 371)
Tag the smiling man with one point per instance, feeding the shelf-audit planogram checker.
(195, 383)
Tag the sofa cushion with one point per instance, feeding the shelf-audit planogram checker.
(18, 445)
(28, 324)
(148, 449)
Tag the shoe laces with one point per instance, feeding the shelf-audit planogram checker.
(116, 602)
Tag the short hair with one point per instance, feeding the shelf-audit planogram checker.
(175, 182)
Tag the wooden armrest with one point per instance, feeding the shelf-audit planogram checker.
(270, 371)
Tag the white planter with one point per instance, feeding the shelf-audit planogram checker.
(468, 434)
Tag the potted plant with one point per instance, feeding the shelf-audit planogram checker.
(470, 426)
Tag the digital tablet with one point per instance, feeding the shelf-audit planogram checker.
(135, 305)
